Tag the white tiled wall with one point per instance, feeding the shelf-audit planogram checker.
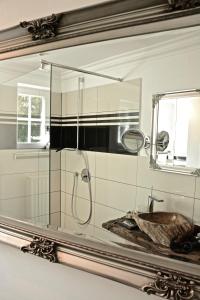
(122, 96)
(124, 182)
(113, 97)
(89, 104)
(24, 184)
(164, 181)
(115, 193)
(113, 188)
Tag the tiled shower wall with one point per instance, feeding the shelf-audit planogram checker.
(24, 185)
(123, 182)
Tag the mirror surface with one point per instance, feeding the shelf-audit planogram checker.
(61, 146)
(178, 123)
(133, 140)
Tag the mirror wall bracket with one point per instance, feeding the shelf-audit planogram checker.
(41, 247)
(171, 286)
(43, 28)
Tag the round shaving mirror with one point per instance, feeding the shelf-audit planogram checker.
(133, 140)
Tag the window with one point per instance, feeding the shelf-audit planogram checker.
(31, 120)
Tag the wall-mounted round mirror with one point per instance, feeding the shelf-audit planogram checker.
(133, 140)
(162, 141)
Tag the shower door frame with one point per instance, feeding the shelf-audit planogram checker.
(110, 20)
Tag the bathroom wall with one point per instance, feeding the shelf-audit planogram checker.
(105, 112)
(39, 10)
(123, 182)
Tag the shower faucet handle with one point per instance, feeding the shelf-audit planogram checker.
(85, 175)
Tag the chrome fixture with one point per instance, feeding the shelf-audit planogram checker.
(85, 175)
(133, 140)
(81, 71)
(152, 200)
(42, 66)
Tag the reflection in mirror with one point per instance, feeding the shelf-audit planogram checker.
(134, 140)
(162, 141)
(177, 126)
(92, 183)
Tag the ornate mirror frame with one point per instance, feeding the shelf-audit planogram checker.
(164, 277)
(154, 133)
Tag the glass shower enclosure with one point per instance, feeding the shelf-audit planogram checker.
(24, 140)
(58, 124)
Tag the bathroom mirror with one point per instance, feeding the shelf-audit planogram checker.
(175, 132)
(75, 110)
(134, 140)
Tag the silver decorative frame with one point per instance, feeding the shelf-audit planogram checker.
(42, 247)
(171, 286)
(111, 20)
(154, 132)
(43, 28)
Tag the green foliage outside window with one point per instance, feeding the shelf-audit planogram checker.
(30, 112)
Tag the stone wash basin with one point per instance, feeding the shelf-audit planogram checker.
(163, 227)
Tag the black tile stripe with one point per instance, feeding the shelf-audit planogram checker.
(118, 118)
(102, 138)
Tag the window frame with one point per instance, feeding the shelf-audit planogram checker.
(31, 120)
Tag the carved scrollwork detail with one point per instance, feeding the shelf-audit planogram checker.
(183, 4)
(42, 248)
(43, 28)
(171, 286)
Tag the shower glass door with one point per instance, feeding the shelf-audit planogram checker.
(24, 139)
(89, 113)
(71, 130)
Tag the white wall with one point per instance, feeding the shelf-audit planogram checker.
(27, 9)
(27, 277)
